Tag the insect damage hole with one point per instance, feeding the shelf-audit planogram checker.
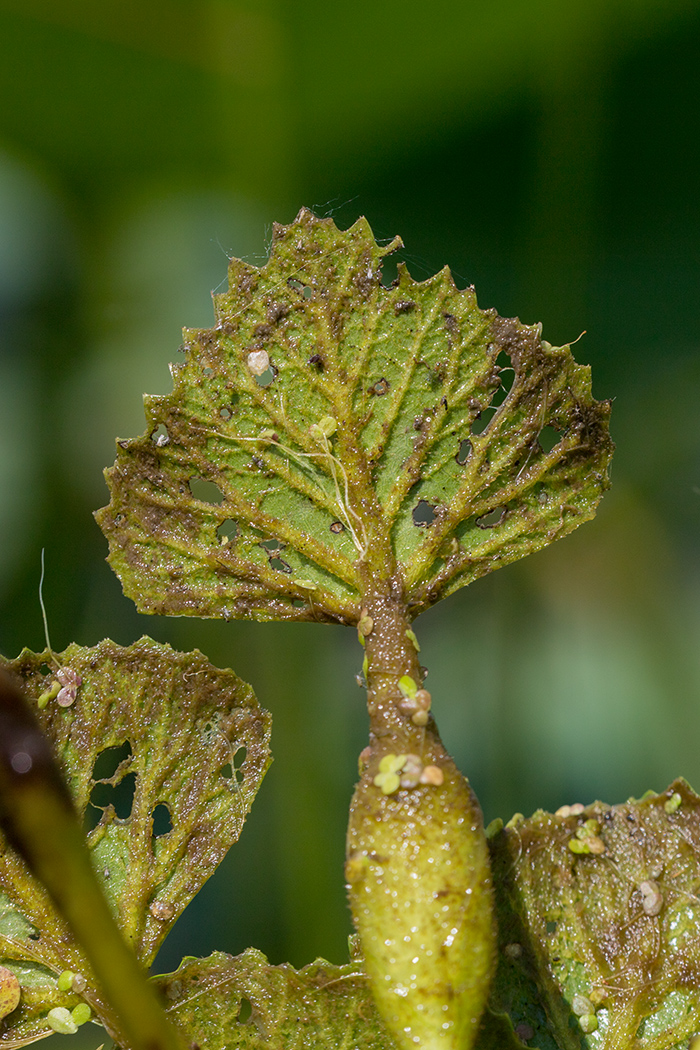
(463, 451)
(227, 531)
(548, 438)
(160, 436)
(482, 420)
(162, 821)
(423, 514)
(112, 785)
(491, 518)
(206, 491)
(244, 1011)
(506, 375)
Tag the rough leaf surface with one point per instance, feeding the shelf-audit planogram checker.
(245, 1002)
(187, 737)
(615, 929)
(336, 420)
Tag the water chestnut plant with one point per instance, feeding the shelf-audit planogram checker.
(348, 451)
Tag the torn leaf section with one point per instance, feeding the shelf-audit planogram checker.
(148, 747)
(599, 909)
(349, 423)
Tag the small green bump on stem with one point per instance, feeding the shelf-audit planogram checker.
(81, 1013)
(61, 1020)
(408, 687)
(673, 803)
(65, 981)
(588, 1023)
(411, 635)
(516, 819)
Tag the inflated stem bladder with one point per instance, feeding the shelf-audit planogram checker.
(417, 864)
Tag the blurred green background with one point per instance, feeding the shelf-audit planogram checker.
(549, 152)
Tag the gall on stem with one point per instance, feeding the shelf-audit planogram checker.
(417, 866)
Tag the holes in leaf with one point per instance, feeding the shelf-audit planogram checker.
(227, 531)
(207, 371)
(225, 412)
(160, 436)
(423, 514)
(551, 927)
(162, 821)
(280, 565)
(112, 785)
(482, 420)
(244, 1011)
(273, 544)
(337, 527)
(299, 286)
(506, 374)
(380, 388)
(238, 760)
(206, 491)
(463, 451)
(491, 518)
(548, 437)
(267, 378)
(233, 769)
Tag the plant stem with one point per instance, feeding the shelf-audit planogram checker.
(417, 864)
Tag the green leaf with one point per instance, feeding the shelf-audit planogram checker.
(245, 1002)
(607, 939)
(348, 429)
(191, 738)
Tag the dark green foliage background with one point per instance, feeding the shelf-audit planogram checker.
(551, 155)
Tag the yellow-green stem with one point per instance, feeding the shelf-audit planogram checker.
(417, 863)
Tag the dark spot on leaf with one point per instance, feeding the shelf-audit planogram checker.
(245, 1010)
(276, 311)
(404, 306)
(317, 361)
(548, 437)
(423, 513)
(451, 324)
(493, 517)
(463, 451)
(206, 491)
(337, 527)
(262, 332)
(162, 821)
(380, 388)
